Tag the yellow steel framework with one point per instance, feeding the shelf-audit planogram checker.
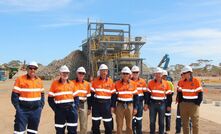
(111, 44)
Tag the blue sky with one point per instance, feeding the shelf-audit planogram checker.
(45, 30)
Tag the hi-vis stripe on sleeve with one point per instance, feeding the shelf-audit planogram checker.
(168, 91)
(192, 90)
(199, 89)
(28, 89)
(92, 89)
(148, 90)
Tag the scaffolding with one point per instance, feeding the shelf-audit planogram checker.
(111, 44)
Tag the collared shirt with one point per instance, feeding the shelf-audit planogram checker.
(125, 90)
(103, 89)
(158, 90)
(141, 86)
(83, 89)
(28, 89)
(62, 92)
(190, 88)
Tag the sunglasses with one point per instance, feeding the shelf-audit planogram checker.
(33, 68)
(135, 72)
(185, 73)
(125, 73)
(81, 73)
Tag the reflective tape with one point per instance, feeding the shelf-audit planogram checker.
(102, 97)
(158, 91)
(158, 98)
(107, 120)
(103, 90)
(96, 118)
(82, 98)
(32, 131)
(29, 99)
(141, 94)
(28, 89)
(72, 124)
(64, 101)
(16, 132)
(63, 93)
(190, 97)
(60, 125)
(178, 117)
(199, 89)
(124, 99)
(167, 114)
(81, 91)
(137, 118)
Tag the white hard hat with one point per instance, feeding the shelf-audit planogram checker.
(103, 67)
(158, 70)
(164, 72)
(186, 69)
(81, 69)
(126, 70)
(33, 63)
(63, 69)
(135, 69)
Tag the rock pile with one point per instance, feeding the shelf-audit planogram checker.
(74, 60)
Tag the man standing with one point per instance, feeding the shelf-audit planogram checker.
(190, 95)
(63, 100)
(127, 101)
(84, 93)
(141, 89)
(159, 96)
(102, 91)
(28, 100)
(168, 111)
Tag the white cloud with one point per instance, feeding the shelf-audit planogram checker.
(32, 5)
(197, 43)
(63, 23)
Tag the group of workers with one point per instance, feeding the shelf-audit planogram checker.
(127, 98)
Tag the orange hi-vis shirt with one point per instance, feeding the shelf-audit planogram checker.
(158, 90)
(28, 89)
(141, 86)
(83, 89)
(190, 89)
(125, 90)
(62, 93)
(103, 89)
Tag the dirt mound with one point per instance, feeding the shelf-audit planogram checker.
(74, 60)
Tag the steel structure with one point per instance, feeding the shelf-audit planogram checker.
(111, 44)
